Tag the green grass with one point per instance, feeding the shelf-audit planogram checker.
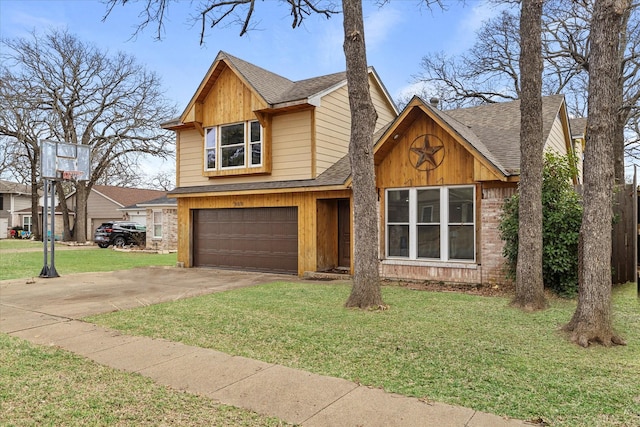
(448, 347)
(44, 386)
(18, 264)
(20, 244)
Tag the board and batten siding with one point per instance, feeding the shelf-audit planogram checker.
(229, 101)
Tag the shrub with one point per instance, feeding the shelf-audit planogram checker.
(562, 216)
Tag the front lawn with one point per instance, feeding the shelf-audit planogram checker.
(45, 386)
(449, 347)
(16, 263)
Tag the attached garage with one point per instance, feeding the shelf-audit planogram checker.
(257, 239)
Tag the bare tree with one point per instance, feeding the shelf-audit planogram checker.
(69, 91)
(592, 320)
(489, 72)
(22, 125)
(163, 180)
(529, 283)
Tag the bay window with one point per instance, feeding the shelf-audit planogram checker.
(432, 223)
(233, 146)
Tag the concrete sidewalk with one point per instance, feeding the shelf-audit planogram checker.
(47, 312)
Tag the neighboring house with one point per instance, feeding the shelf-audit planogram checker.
(161, 219)
(14, 197)
(264, 180)
(25, 218)
(105, 203)
(578, 135)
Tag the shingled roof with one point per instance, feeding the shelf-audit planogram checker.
(8, 187)
(269, 85)
(494, 129)
(578, 127)
(336, 175)
(127, 196)
(276, 89)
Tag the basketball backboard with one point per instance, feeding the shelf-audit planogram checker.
(63, 161)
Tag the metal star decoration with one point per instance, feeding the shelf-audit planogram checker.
(426, 152)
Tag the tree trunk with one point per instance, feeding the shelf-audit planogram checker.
(366, 280)
(592, 320)
(66, 233)
(80, 229)
(623, 113)
(36, 229)
(529, 283)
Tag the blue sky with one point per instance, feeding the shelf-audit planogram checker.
(398, 35)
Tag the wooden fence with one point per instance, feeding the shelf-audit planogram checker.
(624, 254)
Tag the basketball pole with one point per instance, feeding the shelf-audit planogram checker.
(49, 271)
(52, 267)
(45, 220)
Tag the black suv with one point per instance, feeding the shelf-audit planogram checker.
(120, 233)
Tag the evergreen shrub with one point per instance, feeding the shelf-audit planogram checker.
(562, 216)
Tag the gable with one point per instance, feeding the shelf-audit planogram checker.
(396, 162)
(225, 98)
(230, 100)
(489, 133)
(459, 161)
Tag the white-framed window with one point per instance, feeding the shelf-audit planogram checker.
(157, 224)
(232, 146)
(431, 223)
(26, 223)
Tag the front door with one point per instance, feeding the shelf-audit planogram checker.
(344, 234)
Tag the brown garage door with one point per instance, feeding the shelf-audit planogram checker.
(260, 239)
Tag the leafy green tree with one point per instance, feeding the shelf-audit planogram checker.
(562, 216)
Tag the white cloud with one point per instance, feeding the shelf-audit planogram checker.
(23, 23)
(378, 24)
(425, 90)
(471, 21)
(330, 56)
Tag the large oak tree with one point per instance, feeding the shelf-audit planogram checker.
(55, 86)
(592, 320)
(529, 283)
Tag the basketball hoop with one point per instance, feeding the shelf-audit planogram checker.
(62, 161)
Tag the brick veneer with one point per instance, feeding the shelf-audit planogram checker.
(169, 240)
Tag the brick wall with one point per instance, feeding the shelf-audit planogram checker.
(169, 240)
(491, 245)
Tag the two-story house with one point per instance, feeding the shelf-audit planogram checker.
(263, 177)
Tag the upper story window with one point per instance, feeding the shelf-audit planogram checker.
(434, 223)
(233, 146)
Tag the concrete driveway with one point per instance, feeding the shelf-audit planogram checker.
(76, 296)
